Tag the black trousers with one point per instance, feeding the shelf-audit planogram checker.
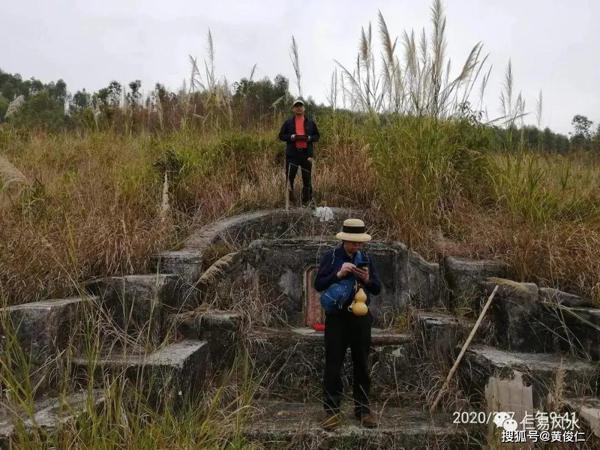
(343, 331)
(292, 164)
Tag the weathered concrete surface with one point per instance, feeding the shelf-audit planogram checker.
(296, 426)
(439, 334)
(168, 375)
(519, 317)
(539, 370)
(421, 281)
(186, 263)
(137, 304)
(274, 271)
(238, 231)
(576, 330)
(514, 395)
(39, 332)
(49, 414)
(463, 277)
(587, 410)
(221, 329)
(556, 296)
(43, 328)
(268, 224)
(292, 362)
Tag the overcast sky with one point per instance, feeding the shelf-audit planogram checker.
(554, 46)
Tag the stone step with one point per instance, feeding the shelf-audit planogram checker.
(491, 375)
(275, 424)
(43, 328)
(187, 263)
(531, 319)
(38, 332)
(577, 330)
(48, 414)
(169, 374)
(379, 337)
(221, 329)
(463, 278)
(438, 334)
(559, 297)
(291, 362)
(138, 304)
(587, 409)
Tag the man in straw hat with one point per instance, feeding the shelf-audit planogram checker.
(343, 328)
(299, 132)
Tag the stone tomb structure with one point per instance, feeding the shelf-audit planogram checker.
(244, 284)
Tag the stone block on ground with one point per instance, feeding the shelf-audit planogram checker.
(518, 317)
(43, 328)
(463, 278)
(268, 224)
(576, 330)
(168, 375)
(438, 334)
(48, 414)
(423, 280)
(296, 426)
(137, 304)
(221, 329)
(39, 332)
(541, 372)
(186, 263)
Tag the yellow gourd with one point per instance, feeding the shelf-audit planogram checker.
(359, 306)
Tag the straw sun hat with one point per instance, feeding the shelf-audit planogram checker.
(353, 230)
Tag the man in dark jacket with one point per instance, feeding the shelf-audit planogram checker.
(343, 329)
(299, 132)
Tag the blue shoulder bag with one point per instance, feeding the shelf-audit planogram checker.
(337, 295)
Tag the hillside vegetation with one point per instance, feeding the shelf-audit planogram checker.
(89, 204)
(403, 138)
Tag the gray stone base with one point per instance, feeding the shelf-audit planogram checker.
(48, 414)
(291, 363)
(539, 371)
(439, 334)
(296, 426)
(587, 409)
(463, 277)
(221, 329)
(168, 375)
(576, 330)
(137, 304)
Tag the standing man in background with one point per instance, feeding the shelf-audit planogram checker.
(299, 132)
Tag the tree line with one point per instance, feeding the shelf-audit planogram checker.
(32, 104)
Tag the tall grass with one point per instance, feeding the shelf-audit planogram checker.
(94, 204)
(420, 82)
(128, 415)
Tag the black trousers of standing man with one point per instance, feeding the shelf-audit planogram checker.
(292, 164)
(343, 331)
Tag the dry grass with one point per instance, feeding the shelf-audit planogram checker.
(93, 204)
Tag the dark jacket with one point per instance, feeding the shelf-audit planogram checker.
(289, 127)
(331, 263)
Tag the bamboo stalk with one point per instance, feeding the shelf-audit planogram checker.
(464, 349)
